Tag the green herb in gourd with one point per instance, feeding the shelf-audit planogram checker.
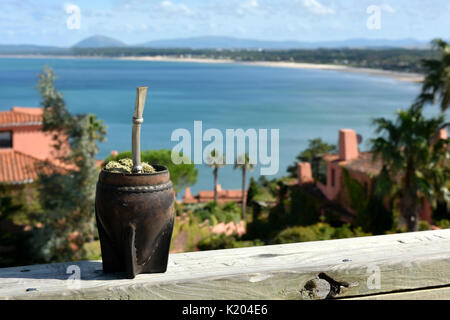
(125, 165)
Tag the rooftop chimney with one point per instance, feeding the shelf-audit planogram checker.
(440, 134)
(187, 193)
(348, 145)
(304, 173)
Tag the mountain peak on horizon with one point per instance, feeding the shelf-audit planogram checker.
(99, 41)
(228, 42)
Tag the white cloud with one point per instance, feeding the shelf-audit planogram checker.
(386, 7)
(248, 6)
(175, 8)
(316, 7)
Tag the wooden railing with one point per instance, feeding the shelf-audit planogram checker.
(399, 266)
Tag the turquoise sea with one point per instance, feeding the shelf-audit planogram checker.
(302, 104)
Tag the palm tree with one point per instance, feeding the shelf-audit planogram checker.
(436, 85)
(243, 162)
(215, 161)
(410, 158)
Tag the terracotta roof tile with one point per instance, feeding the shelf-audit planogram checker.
(233, 193)
(17, 167)
(208, 195)
(331, 157)
(21, 116)
(364, 164)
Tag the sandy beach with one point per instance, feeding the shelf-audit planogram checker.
(176, 59)
(399, 76)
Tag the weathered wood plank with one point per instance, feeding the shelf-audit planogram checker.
(337, 268)
(426, 294)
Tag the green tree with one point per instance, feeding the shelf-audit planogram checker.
(12, 236)
(215, 161)
(56, 119)
(410, 155)
(436, 85)
(253, 191)
(371, 214)
(182, 175)
(317, 148)
(67, 196)
(244, 163)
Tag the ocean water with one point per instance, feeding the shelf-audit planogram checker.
(302, 104)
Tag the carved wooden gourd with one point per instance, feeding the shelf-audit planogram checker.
(135, 212)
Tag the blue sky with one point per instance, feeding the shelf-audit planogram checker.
(135, 21)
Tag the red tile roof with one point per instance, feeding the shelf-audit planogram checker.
(331, 157)
(364, 164)
(223, 196)
(18, 168)
(21, 116)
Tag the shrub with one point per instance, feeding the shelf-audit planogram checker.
(92, 250)
(298, 207)
(442, 211)
(221, 241)
(443, 224)
(305, 209)
(424, 226)
(187, 231)
(295, 234)
(317, 232)
(217, 241)
(215, 213)
(259, 229)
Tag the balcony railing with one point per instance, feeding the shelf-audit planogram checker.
(398, 266)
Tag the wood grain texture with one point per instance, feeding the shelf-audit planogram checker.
(426, 294)
(310, 270)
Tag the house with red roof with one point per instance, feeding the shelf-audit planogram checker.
(25, 149)
(223, 196)
(359, 165)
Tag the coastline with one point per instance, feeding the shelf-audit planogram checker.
(396, 75)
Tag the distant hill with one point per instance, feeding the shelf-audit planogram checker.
(213, 42)
(99, 42)
(217, 42)
(29, 49)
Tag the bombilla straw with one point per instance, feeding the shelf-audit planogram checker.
(141, 94)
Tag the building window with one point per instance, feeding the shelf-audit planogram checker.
(332, 177)
(5, 139)
(319, 170)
